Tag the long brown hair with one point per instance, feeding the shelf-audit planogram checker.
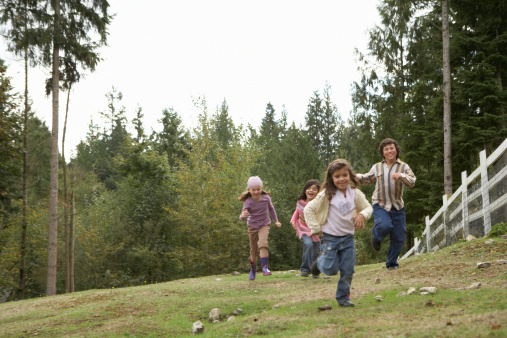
(332, 167)
(245, 194)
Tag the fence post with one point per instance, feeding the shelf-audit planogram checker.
(464, 204)
(428, 234)
(445, 221)
(485, 192)
(416, 245)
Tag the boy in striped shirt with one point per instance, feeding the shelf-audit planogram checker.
(390, 177)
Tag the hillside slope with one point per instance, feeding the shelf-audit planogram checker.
(285, 304)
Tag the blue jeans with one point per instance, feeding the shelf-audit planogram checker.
(311, 250)
(392, 223)
(339, 254)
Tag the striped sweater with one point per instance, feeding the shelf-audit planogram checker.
(388, 192)
(299, 224)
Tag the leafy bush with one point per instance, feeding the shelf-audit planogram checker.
(498, 230)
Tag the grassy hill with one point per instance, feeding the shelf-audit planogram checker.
(285, 304)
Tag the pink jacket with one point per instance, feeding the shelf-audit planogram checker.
(299, 224)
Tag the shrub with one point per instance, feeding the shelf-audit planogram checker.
(498, 230)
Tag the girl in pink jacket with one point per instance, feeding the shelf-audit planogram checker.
(311, 244)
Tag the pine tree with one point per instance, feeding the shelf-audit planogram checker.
(68, 26)
(223, 125)
(172, 139)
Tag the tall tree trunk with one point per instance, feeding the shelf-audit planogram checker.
(71, 241)
(65, 202)
(447, 99)
(53, 181)
(22, 258)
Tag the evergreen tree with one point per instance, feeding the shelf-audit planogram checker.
(172, 140)
(313, 120)
(223, 126)
(11, 146)
(22, 15)
(331, 127)
(39, 140)
(323, 125)
(270, 128)
(67, 28)
(296, 161)
(100, 148)
(479, 31)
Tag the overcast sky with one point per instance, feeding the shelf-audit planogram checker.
(164, 54)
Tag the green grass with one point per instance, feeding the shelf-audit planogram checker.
(285, 305)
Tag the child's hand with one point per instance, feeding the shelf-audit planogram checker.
(359, 222)
(245, 214)
(278, 224)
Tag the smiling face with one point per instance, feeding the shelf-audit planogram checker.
(341, 179)
(390, 153)
(311, 192)
(256, 193)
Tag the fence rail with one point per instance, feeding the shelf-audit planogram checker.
(478, 204)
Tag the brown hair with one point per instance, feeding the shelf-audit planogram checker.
(332, 167)
(386, 142)
(245, 194)
(308, 184)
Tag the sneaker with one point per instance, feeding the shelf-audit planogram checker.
(251, 275)
(346, 303)
(265, 271)
(374, 243)
(305, 274)
(393, 267)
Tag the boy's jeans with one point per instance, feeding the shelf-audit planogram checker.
(392, 223)
(339, 254)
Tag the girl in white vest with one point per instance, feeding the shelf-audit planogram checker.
(338, 210)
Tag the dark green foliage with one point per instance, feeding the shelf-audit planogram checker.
(297, 162)
(39, 140)
(223, 126)
(498, 230)
(11, 146)
(133, 222)
(324, 125)
(98, 152)
(172, 139)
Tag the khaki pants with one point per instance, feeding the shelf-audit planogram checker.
(258, 240)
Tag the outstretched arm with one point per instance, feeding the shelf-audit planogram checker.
(368, 178)
(272, 213)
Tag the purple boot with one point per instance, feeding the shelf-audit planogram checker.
(264, 263)
(253, 270)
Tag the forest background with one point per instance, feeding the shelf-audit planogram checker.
(153, 207)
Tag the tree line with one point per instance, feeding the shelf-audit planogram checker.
(142, 207)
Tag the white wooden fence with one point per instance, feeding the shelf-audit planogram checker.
(478, 204)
